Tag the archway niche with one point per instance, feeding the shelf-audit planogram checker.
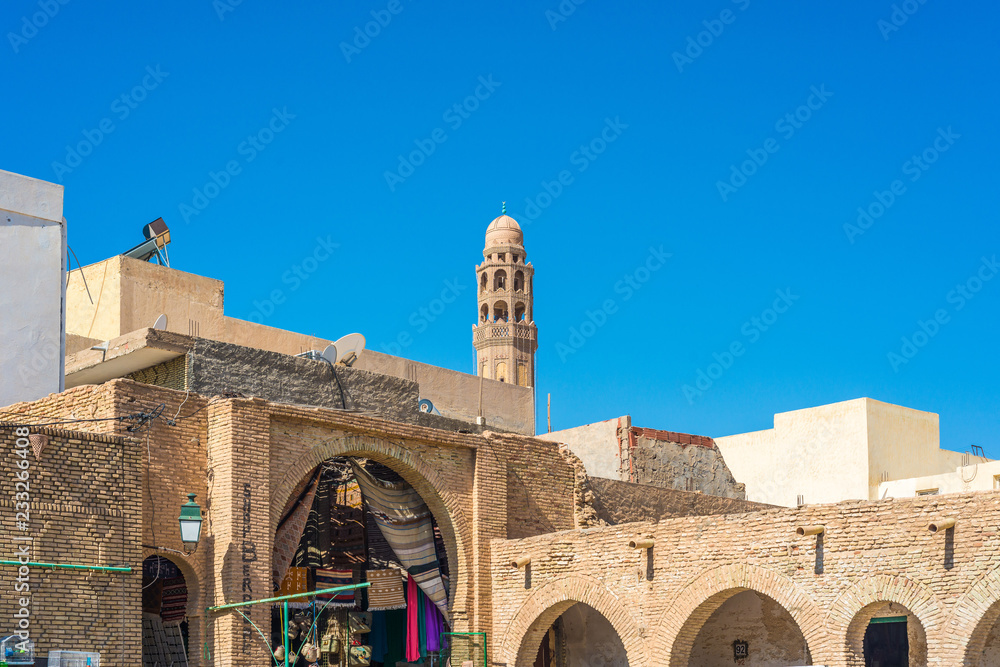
(749, 628)
(165, 597)
(886, 633)
(580, 637)
(329, 535)
(985, 642)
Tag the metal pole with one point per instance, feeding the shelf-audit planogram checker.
(291, 597)
(550, 413)
(284, 633)
(62, 566)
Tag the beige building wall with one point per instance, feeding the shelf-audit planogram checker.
(836, 452)
(127, 295)
(457, 395)
(979, 475)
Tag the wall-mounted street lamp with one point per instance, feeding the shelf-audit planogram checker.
(190, 523)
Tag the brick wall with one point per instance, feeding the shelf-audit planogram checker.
(84, 509)
(617, 502)
(871, 553)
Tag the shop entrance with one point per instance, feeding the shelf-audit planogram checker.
(164, 613)
(354, 520)
(886, 643)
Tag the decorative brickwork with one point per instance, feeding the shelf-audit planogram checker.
(871, 554)
(82, 498)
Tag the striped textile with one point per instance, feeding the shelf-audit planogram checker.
(386, 591)
(175, 596)
(293, 522)
(332, 579)
(408, 527)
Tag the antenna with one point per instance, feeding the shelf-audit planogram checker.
(161, 323)
(349, 348)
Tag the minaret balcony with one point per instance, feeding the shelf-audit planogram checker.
(491, 330)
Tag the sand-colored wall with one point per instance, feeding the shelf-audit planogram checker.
(456, 395)
(904, 443)
(597, 446)
(978, 476)
(837, 452)
(820, 453)
(93, 302)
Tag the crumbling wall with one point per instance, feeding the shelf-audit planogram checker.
(613, 502)
(681, 461)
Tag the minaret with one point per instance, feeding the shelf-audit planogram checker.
(505, 336)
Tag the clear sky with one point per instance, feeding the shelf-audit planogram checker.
(739, 137)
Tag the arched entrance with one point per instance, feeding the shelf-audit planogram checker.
(413, 467)
(567, 618)
(893, 598)
(886, 633)
(715, 607)
(753, 628)
(581, 637)
(165, 597)
(353, 519)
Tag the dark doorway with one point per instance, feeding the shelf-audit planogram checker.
(886, 643)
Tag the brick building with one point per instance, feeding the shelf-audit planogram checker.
(604, 545)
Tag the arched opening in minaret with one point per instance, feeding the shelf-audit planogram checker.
(519, 281)
(483, 279)
(500, 312)
(484, 313)
(519, 311)
(501, 371)
(500, 280)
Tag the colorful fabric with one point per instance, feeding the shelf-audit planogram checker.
(408, 527)
(379, 637)
(158, 567)
(412, 621)
(175, 597)
(434, 626)
(332, 579)
(387, 590)
(296, 581)
(395, 622)
(290, 527)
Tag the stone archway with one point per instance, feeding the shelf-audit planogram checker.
(850, 614)
(524, 632)
(696, 603)
(196, 601)
(448, 513)
(975, 615)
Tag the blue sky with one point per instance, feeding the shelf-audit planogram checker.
(698, 159)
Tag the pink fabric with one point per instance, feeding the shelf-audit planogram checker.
(412, 621)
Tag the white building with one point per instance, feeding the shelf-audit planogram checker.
(32, 288)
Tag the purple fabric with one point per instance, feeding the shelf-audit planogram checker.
(435, 625)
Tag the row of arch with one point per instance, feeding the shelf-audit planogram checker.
(501, 313)
(499, 281)
(836, 636)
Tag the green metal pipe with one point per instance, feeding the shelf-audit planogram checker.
(290, 597)
(471, 634)
(63, 566)
(284, 632)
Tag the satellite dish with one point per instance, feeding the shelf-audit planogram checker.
(349, 348)
(426, 406)
(330, 353)
(161, 323)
